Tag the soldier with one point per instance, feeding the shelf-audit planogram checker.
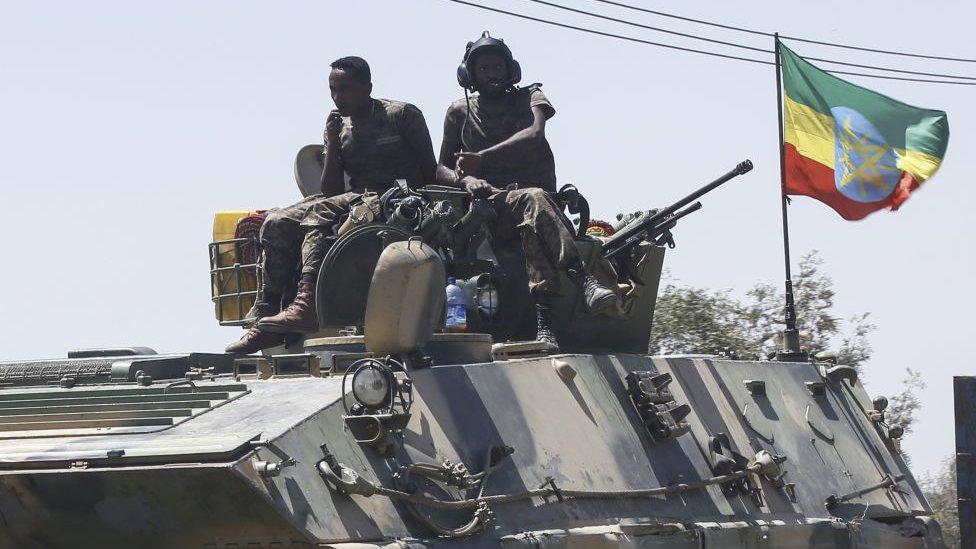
(497, 138)
(374, 142)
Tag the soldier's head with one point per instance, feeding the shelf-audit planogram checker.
(491, 73)
(488, 66)
(350, 84)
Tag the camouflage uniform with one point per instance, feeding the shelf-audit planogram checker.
(392, 142)
(529, 212)
(286, 239)
(549, 246)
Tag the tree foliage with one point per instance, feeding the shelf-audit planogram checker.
(696, 321)
(902, 407)
(691, 320)
(940, 491)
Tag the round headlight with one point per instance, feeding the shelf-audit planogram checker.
(371, 387)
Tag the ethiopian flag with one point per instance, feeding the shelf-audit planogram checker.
(852, 148)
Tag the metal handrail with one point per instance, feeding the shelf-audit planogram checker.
(237, 276)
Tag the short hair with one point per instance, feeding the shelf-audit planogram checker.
(354, 65)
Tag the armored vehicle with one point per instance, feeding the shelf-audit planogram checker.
(385, 431)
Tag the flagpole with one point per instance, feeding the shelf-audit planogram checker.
(791, 337)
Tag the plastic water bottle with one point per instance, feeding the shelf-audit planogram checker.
(457, 314)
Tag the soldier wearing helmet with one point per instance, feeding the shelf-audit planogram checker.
(497, 138)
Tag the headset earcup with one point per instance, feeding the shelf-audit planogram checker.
(516, 73)
(463, 77)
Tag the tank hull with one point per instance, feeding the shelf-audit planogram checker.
(569, 418)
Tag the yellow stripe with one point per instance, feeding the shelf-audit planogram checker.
(917, 163)
(811, 132)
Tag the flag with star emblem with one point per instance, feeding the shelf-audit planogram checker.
(852, 148)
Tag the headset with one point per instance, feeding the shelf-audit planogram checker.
(487, 43)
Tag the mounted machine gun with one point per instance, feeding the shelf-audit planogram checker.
(655, 225)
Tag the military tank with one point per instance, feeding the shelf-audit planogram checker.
(385, 431)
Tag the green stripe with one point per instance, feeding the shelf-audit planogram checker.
(903, 126)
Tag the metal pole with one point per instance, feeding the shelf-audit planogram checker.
(964, 394)
(791, 337)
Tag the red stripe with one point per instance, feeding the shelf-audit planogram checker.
(905, 187)
(811, 178)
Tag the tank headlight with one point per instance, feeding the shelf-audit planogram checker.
(372, 386)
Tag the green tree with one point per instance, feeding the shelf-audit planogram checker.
(691, 320)
(696, 321)
(902, 407)
(940, 491)
(855, 349)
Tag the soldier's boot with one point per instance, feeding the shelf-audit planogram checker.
(299, 317)
(264, 306)
(255, 340)
(544, 331)
(596, 296)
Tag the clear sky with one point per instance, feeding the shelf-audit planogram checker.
(125, 125)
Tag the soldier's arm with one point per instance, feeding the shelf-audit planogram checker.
(450, 144)
(520, 141)
(333, 183)
(446, 170)
(417, 137)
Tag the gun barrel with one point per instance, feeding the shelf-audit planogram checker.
(633, 232)
(641, 225)
(690, 209)
(679, 214)
(743, 167)
(650, 233)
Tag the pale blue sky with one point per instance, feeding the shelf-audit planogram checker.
(125, 125)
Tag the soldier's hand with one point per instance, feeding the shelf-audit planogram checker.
(333, 125)
(467, 162)
(478, 188)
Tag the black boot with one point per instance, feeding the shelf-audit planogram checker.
(596, 296)
(544, 331)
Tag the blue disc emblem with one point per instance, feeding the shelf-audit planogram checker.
(865, 166)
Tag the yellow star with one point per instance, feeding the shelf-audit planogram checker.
(869, 171)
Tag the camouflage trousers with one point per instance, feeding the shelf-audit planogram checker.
(296, 235)
(549, 245)
(298, 232)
